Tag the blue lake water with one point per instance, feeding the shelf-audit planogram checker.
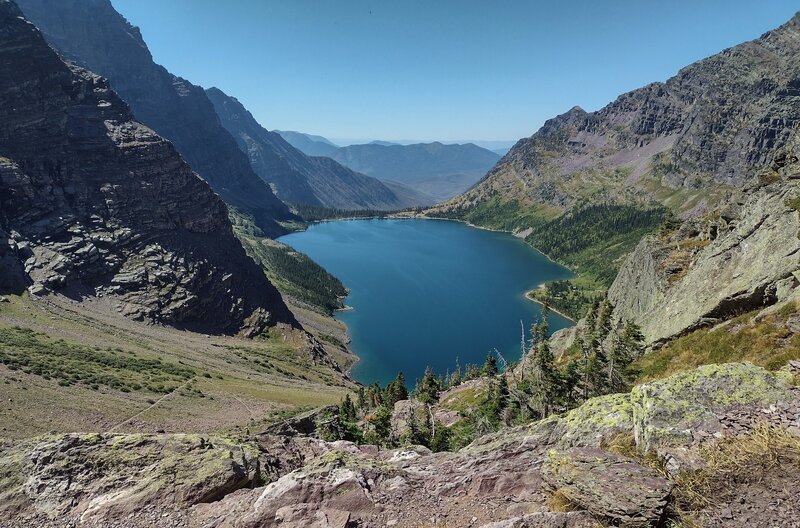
(429, 292)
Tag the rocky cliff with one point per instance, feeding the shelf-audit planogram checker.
(95, 203)
(716, 267)
(300, 179)
(687, 142)
(92, 34)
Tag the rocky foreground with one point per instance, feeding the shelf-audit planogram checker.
(719, 444)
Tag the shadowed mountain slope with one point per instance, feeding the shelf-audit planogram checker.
(94, 203)
(92, 34)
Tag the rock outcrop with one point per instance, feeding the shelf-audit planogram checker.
(300, 179)
(717, 267)
(591, 477)
(92, 34)
(95, 203)
(113, 476)
(506, 479)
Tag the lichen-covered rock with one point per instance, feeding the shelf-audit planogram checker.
(338, 481)
(501, 478)
(598, 418)
(609, 486)
(311, 516)
(109, 476)
(586, 426)
(671, 412)
(749, 263)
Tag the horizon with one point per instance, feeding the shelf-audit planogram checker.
(442, 72)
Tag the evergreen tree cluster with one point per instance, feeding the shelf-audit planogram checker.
(591, 238)
(603, 365)
(313, 213)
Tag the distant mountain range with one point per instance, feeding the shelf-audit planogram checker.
(300, 179)
(439, 170)
(308, 143)
(435, 169)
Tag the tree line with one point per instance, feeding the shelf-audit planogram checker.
(537, 386)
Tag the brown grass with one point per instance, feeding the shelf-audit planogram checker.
(560, 502)
(741, 460)
(624, 444)
(65, 368)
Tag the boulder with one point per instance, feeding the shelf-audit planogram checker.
(579, 519)
(108, 476)
(609, 486)
(673, 412)
(310, 516)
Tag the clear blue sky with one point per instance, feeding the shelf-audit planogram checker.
(436, 69)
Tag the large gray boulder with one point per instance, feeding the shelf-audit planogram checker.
(610, 486)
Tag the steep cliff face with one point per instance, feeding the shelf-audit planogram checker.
(716, 267)
(92, 34)
(95, 203)
(684, 143)
(297, 178)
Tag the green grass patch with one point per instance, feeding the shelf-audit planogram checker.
(572, 297)
(794, 203)
(505, 215)
(35, 353)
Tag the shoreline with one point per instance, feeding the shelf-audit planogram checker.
(529, 296)
(417, 216)
(470, 224)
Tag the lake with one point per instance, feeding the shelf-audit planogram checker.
(429, 292)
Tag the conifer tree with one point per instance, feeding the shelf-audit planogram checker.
(490, 366)
(627, 348)
(427, 390)
(596, 372)
(396, 390)
(589, 343)
(381, 423)
(361, 400)
(455, 377)
(373, 397)
(347, 411)
(471, 372)
(570, 382)
(545, 382)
